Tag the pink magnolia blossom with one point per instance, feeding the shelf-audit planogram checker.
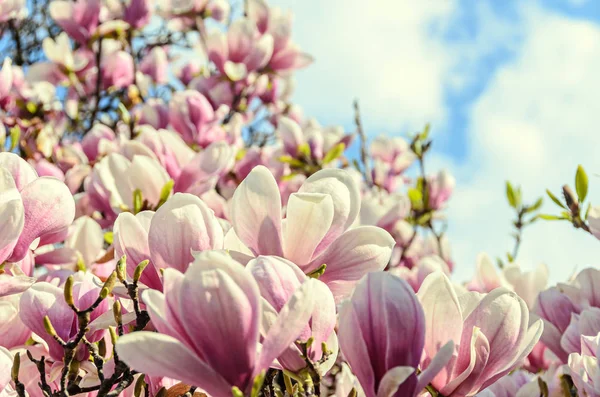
(6, 362)
(14, 332)
(584, 368)
(216, 352)
(184, 225)
(316, 230)
(79, 19)
(137, 13)
(382, 332)
(32, 208)
(193, 117)
(13, 280)
(277, 280)
(492, 332)
(45, 299)
(568, 311)
(156, 64)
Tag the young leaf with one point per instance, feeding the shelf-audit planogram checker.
(510, 195)
(138, 201)
(550, 217)
(536, 206)
(334, 153)
(581, 183)
(555, 199)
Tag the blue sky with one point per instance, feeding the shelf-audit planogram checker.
(511, 89)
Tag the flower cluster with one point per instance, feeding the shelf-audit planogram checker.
(172, 224)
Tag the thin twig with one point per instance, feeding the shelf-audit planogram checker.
(364, 156)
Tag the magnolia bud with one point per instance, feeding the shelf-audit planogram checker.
(48, 327)
(69, 292)
(121, 266)
(117, 312)
(109, 284)
(139, 270)
(16, 367)
(570, 198)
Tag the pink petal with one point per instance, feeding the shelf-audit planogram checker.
(256, 212)
(162, 355)
(12, 217)
(49, 208)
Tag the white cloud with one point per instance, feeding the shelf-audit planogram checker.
(535, 122)
(386, 54)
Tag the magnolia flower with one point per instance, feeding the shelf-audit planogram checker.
(114, 179)
(239, 52)
(31, 208)
(382, 332)
(184, 225)
(98, 141)
(193, 117)
(585, 371)
(320, 141)
(316, 230)
(527, 285)
(215, 351)
(154, 112)
(15, 281)
(12, 9)
(277, 280)
(45, 299)
(79, 19)
(156, 64)
(286, 55)
(6, 81)
(493, 334)
(440, 189)
(59, 51)
(168, 148)
(568, 311)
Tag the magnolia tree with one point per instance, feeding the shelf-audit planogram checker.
(172, 225)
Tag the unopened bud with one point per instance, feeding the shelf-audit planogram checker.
(140, 384)
(139, 270)
(570, 198)
(69, 291)
(117, 312)
(16, 367)
(121, 266)
(48, 327)
(113, 334)
(109, 284)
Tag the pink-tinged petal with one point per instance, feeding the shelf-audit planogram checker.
(261, 53)
(156, 304)
(184, 224)
(15, 283)
(277, 279)
(290, 133)
(470, 365)
(392, 380)
(290, 322)
(504, 318)
(215, 284)
(162, 355)
(309, 216)
(147, 175)
(6, 363)
(204, 169)
(355, 349)
(44, 299)
(21, 171)
(131, 238)
(439, 362)
(345, 194)
(12, 216)
(443, 316)
(531, 339)
(486, 273)
(90, 144)
(49, 208)
(256, 213)
(588, 280)
(232, 243)
(240, 39)
(172, 282)
(323, 320)
(357, 252)
(258, 11)
(217, 49)
(87, 238)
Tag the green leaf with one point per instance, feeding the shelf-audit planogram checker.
(548, 217)
(587, 211)
(536, 206)
(108, 237)
(425, 134)
(581, 183)
(509, 257)
(15, 136)
(416, 197)
(304, 150)
(511, 195)
(555, 199)
(257, 385)
(165, 193)
(138, 201)
(423, 219)
(334, 153)
(291, 161)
